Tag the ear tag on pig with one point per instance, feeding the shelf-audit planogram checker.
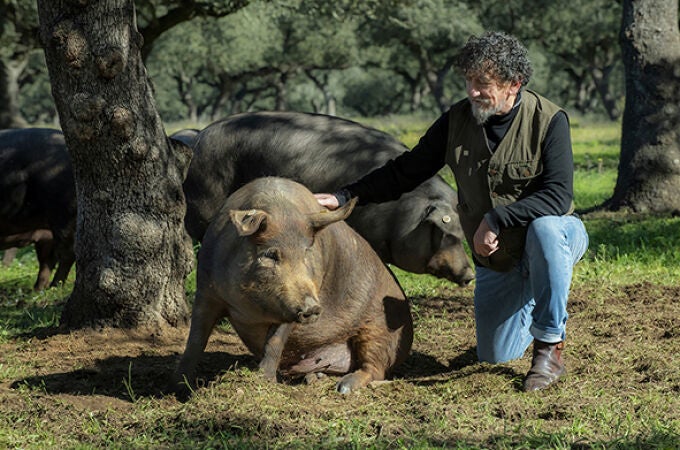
(446, 219)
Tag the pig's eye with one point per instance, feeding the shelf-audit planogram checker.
(270, 255)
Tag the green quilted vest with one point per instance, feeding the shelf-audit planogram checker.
(486, 180)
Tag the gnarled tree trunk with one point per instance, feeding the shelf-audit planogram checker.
(649, 168)
(132, 253)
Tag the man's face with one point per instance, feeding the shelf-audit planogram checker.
(489, 97)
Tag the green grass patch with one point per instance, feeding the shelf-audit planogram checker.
(596, 158)
(592, 188)
(630, 249)
(23, 310)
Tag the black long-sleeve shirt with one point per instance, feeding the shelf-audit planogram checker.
(552, 195)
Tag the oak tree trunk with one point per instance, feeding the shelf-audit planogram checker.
(649, 168)
(132, 253)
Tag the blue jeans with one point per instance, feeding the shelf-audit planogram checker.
(530, 301)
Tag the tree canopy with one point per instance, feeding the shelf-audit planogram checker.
(211, 58)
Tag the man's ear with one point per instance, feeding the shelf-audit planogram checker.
(515, 87)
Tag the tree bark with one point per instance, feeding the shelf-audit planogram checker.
(322, 83)
(602, 79)
(281, 91)
(132, 252)
(435, 78)
(649, 168)
(185, 85)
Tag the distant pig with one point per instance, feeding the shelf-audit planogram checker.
(38, 199)
(302, 289)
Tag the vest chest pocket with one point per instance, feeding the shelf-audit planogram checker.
(518, 175)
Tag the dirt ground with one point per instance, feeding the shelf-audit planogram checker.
(86, 362)
(635, 331)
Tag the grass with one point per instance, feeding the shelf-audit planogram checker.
(102, 389)
(596, 159)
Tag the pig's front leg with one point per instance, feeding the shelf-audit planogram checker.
(273, 348)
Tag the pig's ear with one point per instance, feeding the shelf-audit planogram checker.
(324, 218)
(248, 222)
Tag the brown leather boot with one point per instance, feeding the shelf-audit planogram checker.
(546, 366)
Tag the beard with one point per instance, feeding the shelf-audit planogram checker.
(482, 110)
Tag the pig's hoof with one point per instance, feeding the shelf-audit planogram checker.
(182, 395)
(181, 387)
(343, 388)
(352, 382)
(181, 391)
(269, 376)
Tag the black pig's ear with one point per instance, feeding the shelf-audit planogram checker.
(324, 218)
(248, 222)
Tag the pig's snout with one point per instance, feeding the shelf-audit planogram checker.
(451, 265)
(310, 311)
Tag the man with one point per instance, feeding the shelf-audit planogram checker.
(510, 152)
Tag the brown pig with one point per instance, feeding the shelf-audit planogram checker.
(302, 289)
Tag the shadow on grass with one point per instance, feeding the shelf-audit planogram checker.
(26, 321)
(128, 378)
(421, 364)
(25, 313)
(424, 370)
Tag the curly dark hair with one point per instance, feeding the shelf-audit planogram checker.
(496, 54)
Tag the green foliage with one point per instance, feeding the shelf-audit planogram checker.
(372, 92)
(342, 9)
(423, 38)
(150, 11)
(18, 25)
(315, 42)
(36, 101)
(262, 54)
(262, 48)
(240, 42)
(215, 55)
(413, 42)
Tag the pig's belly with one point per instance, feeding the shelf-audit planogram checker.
(333, 359)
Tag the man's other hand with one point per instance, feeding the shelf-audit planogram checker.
(485, 240)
